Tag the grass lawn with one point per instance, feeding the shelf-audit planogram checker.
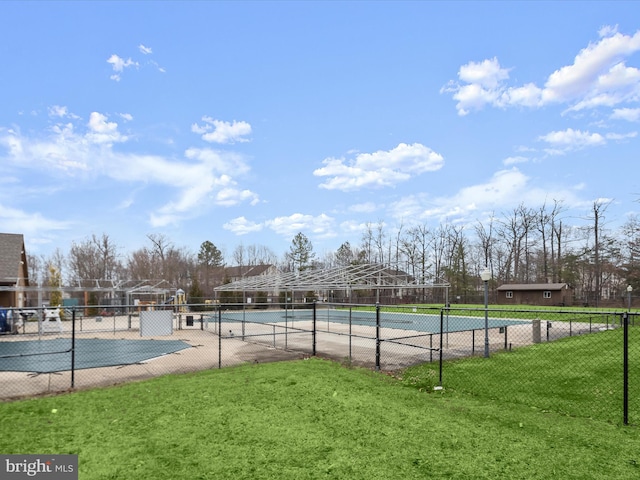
(579, 376)
(315, 419)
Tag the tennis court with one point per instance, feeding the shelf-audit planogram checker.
(417, 322)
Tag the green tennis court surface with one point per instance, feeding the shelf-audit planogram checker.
(420, 322)
(47, 356)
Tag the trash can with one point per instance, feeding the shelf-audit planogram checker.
(4, 322)
(189, 320)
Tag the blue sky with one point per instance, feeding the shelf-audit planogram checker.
(247, 122)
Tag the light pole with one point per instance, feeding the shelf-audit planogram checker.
(485, 275)
(629, 290)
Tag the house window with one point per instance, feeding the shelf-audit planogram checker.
(546, 294)
(509, 294)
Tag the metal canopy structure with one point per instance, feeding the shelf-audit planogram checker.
(126, 286)
(352, 277)
(128, 291)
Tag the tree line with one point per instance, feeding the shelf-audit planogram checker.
(523, 245)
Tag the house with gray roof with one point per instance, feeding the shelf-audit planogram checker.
(13, 270)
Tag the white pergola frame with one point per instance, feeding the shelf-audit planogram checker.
(159, 288)
(348, 278)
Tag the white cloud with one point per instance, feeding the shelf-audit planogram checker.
(242, 226)
(31, 224)
(367, 207)
(63, 151)
(410, 207)
(514, 160)
(222, 163)
(61, 112)
(57, 111)
(210, 181)
(620, 84)
(570, 139)
(621, 136)
(506, 188)
(598, 77)
(487, 73)
(103, 131)
(320, 226)
(379, 169)
(628, 114)
(608, 30)
(127, 117)
(157, 66)
(119, 64)
(204, 179)
(144, 50)
(482, 85)
(352, 226)
(471, 97)
(528, 95)
(218, 131)
(579, 79)
(232, 196)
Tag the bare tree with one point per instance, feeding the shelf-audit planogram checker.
(95, 258)
(367, 243)
(378, 241)
(548, 226)
(415, 245)
(398, 249)
(457, 253)
(260, 255)
(178, 265)
(37, 266)
(598, 209)
(486, 239)
(142, 266)
(631, 233)
(409, 250)
(239, 255)
(160, 246)
(514, 229)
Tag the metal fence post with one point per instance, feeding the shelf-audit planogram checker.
(313, 334)
(473, 341)
(377, 336)
(220, 336)
(73, 348)
(505, 337)
(625, 368)
(440, 366)
(350, 332)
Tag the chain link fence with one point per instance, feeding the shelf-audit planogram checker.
(577, 362)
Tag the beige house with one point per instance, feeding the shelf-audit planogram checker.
(13, 270)
(235, 274)
(550, 294)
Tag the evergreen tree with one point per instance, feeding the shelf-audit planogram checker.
(301, 252)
